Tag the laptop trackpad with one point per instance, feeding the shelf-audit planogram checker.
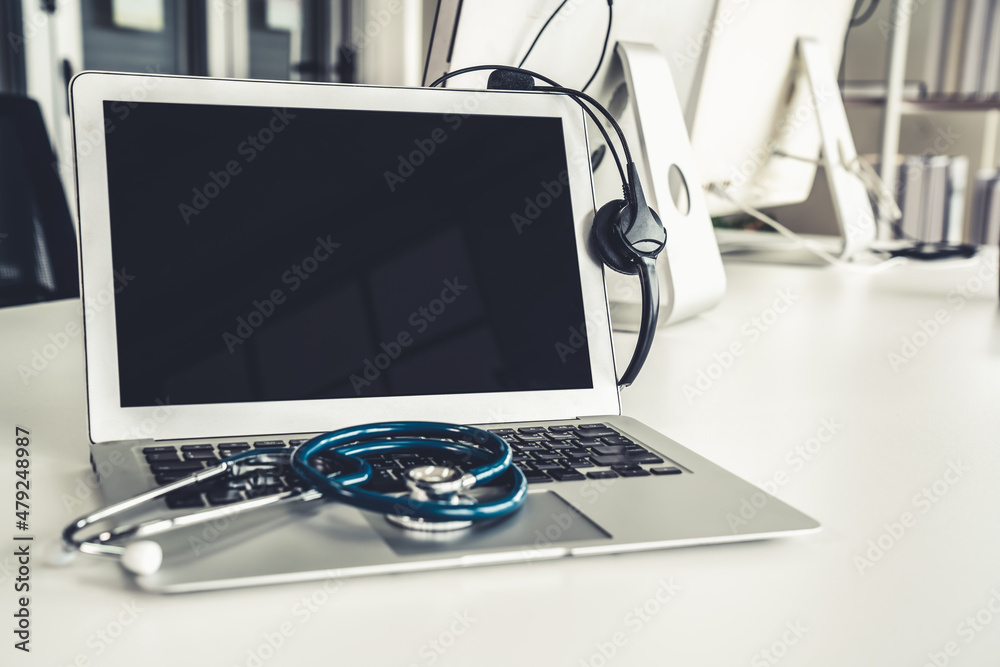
(545, 520)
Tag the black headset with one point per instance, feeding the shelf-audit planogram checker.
(627, 234)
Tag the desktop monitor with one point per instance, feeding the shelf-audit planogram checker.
(473, 32)
(754, 104)
(753, 109)
(476, 32)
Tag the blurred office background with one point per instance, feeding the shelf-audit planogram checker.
(949, 120)
(48, 41)
(950, 114)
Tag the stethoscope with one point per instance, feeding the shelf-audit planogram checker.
(437, 499)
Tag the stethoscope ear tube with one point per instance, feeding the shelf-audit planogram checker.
(103, 543)
(438, 501)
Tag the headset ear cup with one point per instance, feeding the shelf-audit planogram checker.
(605, 235)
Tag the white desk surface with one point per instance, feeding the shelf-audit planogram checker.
(824, 361)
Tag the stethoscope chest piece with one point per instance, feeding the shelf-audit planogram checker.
(438, 483)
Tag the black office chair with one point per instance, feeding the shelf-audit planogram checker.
(38, 256)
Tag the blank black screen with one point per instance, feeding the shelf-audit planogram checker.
(285, 254)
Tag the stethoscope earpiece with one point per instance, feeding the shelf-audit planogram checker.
(437, 500)
(143, 557)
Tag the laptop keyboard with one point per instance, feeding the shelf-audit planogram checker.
(558, 453)
(575, 452)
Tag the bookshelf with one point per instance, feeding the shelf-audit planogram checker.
(959, 85)
(926, 105)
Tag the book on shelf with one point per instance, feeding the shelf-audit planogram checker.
(931, 195)
(991, 226)
(989, 83)
(974, 47)
(934, 53)
(961, 43)
(958, 185)
(953, 38)
(876, 90)
(910, 199)
(985, 226)
(934, 204)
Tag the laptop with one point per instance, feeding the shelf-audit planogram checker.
(265, 261)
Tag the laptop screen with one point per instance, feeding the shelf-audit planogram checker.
(286, 254)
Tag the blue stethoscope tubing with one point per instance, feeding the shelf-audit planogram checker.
(345, 446)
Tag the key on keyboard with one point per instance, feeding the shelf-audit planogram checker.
(557, 453)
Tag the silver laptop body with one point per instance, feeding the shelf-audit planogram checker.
(165, 165)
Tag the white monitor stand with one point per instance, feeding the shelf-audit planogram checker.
(839, 157)
(644, 101)
(852, 206)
